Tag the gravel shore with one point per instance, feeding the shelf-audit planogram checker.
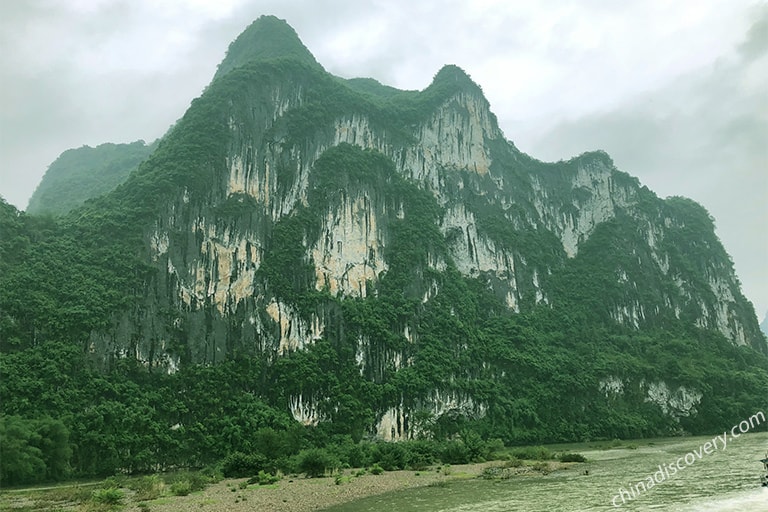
(299, 494)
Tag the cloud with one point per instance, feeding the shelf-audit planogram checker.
(639, 79)
(702, 135)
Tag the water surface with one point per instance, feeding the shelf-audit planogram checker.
(724, 480)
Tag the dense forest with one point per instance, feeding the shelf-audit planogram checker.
(103, 369)
(84, 173)
(64, 415)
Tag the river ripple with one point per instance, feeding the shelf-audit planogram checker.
(724, 480)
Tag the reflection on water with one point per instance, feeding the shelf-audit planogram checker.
(725, 480)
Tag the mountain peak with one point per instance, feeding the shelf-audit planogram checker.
(267, 38)
(451, 75)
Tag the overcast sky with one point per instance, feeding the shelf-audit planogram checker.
(674, 91)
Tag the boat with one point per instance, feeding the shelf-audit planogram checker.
(764, 477)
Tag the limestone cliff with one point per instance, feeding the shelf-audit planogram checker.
(308, 190)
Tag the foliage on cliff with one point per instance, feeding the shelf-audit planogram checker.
(104, 368)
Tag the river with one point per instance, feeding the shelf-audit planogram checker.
(725, 479)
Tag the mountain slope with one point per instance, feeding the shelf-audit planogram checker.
(83, 173)
(385, 263)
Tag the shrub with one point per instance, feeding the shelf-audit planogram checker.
(358, 455)
(212, 473)
(314, 462)
(181, 488)
(391, 456)
(196, 481)
(268, 478)
(532, 453)
(147, 487)
(376, 469)
(421, 454)
(572, 457)
(111, 496)
(114, 482)
(455, 452)
(477, 449)
(239, 464)
(495, 448)
(264, 478)
(492, 472)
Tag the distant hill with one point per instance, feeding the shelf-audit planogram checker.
(86, 172)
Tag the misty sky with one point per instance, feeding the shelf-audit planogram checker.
(674, 91)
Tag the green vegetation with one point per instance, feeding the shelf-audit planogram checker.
(147, 488)
(110, 496)
(316, 462)
(264, 478)
(532, 453)
(33, 450)
(84, 173)
(103, 370)
(571, 457)
(538, 372)
(265, 39)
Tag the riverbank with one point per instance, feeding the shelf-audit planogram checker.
(299, 494)
(292, 493)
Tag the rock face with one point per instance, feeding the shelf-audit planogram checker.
(290, 209)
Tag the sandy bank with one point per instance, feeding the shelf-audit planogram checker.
(299, 494)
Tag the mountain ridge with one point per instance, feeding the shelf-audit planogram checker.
(382, 264)
(449, 82)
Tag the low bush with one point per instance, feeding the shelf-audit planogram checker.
(147, 487)
(391, 456)
(212, 473)
(239, 464)
(268, 478)
(315, 462)
(264, 478)
(422, 454)
(114, 482)
(110, 496)
(455, 452)
(572, 457)
(532, 453)
(197, 481)
(181, 488)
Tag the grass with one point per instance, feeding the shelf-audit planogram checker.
(110, 494)
(147, 488)
(57, 498)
